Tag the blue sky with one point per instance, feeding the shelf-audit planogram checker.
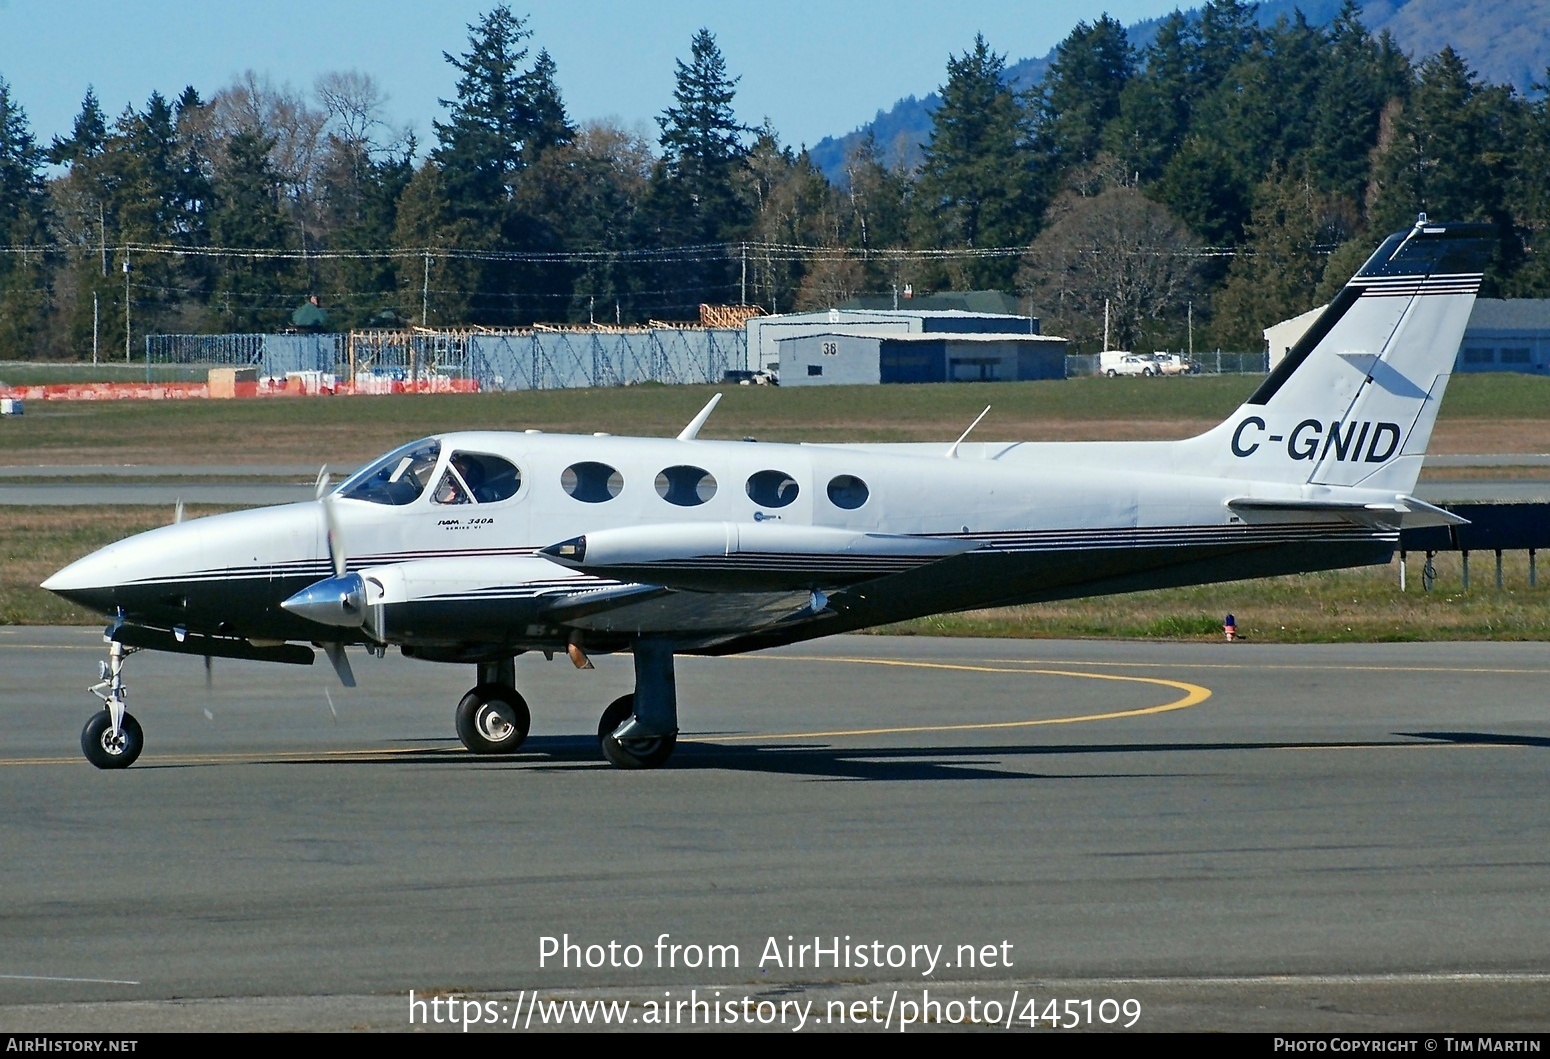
(812, 67)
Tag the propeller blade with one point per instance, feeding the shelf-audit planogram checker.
(336, 551)
(341, 663)
(321, 485)
(177, 511)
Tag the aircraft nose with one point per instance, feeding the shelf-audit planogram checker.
(170, 561)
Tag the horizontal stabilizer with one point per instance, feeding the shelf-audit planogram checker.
(1403, 512)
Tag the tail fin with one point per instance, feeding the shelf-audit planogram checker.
(1354, 400)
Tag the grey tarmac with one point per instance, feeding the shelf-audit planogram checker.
(1334, 837)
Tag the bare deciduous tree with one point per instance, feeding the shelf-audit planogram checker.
(1117, 246)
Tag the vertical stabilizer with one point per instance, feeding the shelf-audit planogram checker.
(1353, 402)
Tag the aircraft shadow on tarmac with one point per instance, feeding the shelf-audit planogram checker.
(1481, 738)
(823, 761)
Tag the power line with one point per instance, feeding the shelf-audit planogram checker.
(766, 251)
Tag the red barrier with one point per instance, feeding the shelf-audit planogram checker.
(180, 391)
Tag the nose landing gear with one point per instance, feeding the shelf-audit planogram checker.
(112, 738)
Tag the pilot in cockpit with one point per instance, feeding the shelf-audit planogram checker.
(458, 483)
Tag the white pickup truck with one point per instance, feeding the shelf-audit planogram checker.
(1113, 362)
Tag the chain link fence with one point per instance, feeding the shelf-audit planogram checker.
(1216, 362)
(514, 360)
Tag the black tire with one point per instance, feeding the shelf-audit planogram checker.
(1146, 372)
(631, 753)
(493, 719)
(106, 752)
(1111, 373)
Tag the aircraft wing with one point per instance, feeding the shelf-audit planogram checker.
(748, 556)
(510, 598)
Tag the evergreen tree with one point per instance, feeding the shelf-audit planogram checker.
(977, 187)
(24, 277)
(1206, 187)
(251, 293)
(1358, 78)
(1530, 197)
(702, 141)
(482, 144)
(550, 126)
(1154, 106)
(1081, 90)
(876, 200)
(694, 194)
(1451, 156)
(80, 208)
(1293, 228)
(87, 134)
(501, 122)
(1227, 34)
(588, 193)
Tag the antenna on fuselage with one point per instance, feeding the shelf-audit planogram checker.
(952, 453)
(690, 432)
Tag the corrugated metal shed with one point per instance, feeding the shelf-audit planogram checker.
(765, 332)
(861, 359)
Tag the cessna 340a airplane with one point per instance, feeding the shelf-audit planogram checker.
(474, 548)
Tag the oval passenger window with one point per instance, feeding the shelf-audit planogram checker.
(772, 489)
(686, 486)
(592, 483)
(847, 491)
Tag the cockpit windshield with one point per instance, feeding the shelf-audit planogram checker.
(397, 478)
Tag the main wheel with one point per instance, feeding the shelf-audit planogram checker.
(493, 719)
(106, 750)
(1111, 373)
(631, 753)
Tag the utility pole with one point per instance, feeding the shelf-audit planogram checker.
(425, 294)
(126, 305)
(1192, 330)
(742, 289)
(96, 295)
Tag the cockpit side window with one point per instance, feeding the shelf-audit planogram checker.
(451, 490)
(477, 477)
(397, 478)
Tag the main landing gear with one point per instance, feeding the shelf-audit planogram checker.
(493, 718)
(637, 731)
(112, 738)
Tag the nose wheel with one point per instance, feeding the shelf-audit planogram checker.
(110, 748)
(112, 738)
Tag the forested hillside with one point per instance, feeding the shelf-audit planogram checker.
(1222, 170)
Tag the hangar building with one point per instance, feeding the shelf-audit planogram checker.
(764, 332)
(857, 358)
